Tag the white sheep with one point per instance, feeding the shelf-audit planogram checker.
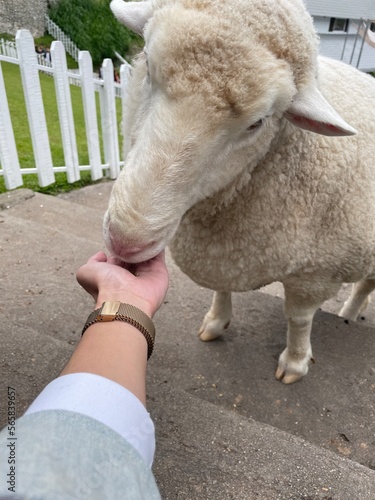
(229, 160)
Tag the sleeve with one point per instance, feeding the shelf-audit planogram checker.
(104, 400)
(60, 455)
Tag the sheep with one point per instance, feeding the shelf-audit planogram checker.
(238, 160)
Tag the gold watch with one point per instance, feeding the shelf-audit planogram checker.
(117, 311)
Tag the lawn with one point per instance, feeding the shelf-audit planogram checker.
(17, 108)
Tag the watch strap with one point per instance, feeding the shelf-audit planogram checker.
(118, 311)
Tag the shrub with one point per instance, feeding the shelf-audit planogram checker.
(92, 26)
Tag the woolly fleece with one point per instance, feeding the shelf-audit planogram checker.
(212, 160)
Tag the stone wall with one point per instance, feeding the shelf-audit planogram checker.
(27, 14)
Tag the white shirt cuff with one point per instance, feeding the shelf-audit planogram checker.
(104, 400)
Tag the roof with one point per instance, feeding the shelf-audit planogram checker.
(342, 8)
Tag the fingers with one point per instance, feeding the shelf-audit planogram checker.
(98, 257)
(155, 266)
(111, 279)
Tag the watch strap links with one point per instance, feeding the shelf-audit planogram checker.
(118, 311)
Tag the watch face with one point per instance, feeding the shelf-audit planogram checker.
(108, 311)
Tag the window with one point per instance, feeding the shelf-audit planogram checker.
(337, 24)
(372, 27)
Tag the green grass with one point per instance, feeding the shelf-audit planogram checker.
(21, 130)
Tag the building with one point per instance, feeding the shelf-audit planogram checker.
(346, 30)
(17, 14)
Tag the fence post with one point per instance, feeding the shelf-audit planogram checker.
(109, 120)
(34, 107)
(8, 150)
(64, 105)
(91, 119)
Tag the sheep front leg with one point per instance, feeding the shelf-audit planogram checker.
(301, 303)
(218, 317)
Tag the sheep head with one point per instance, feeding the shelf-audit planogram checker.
(205, 105)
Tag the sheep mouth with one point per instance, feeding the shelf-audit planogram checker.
(135, 257)
(131, 254)
(135, 251)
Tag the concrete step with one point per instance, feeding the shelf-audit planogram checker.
(94, 196)
(29, 359)
(37, 277)
(58, 214)
(204, 453)
(332, 408)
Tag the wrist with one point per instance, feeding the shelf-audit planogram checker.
(128, 313)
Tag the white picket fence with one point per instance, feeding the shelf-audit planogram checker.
(58, 34)
(8, 48)
(27, 60)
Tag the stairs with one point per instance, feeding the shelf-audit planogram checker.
(226, 429)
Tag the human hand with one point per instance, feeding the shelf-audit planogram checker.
(107, 279)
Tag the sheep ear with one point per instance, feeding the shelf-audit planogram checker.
(310, 111)
(133, 14)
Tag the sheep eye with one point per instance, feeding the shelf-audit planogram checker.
(255, 125)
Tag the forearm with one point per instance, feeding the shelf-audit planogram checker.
(117, 350)
(114, 350)
(105, 378)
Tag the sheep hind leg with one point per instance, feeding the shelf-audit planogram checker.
(358, 300)
(218, 317)
(301, 303)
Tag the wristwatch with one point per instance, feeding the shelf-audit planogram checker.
(117, 311)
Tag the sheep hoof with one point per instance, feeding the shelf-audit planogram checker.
(287, 379)
(291, 370)
(206, 336)
(211, 329)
